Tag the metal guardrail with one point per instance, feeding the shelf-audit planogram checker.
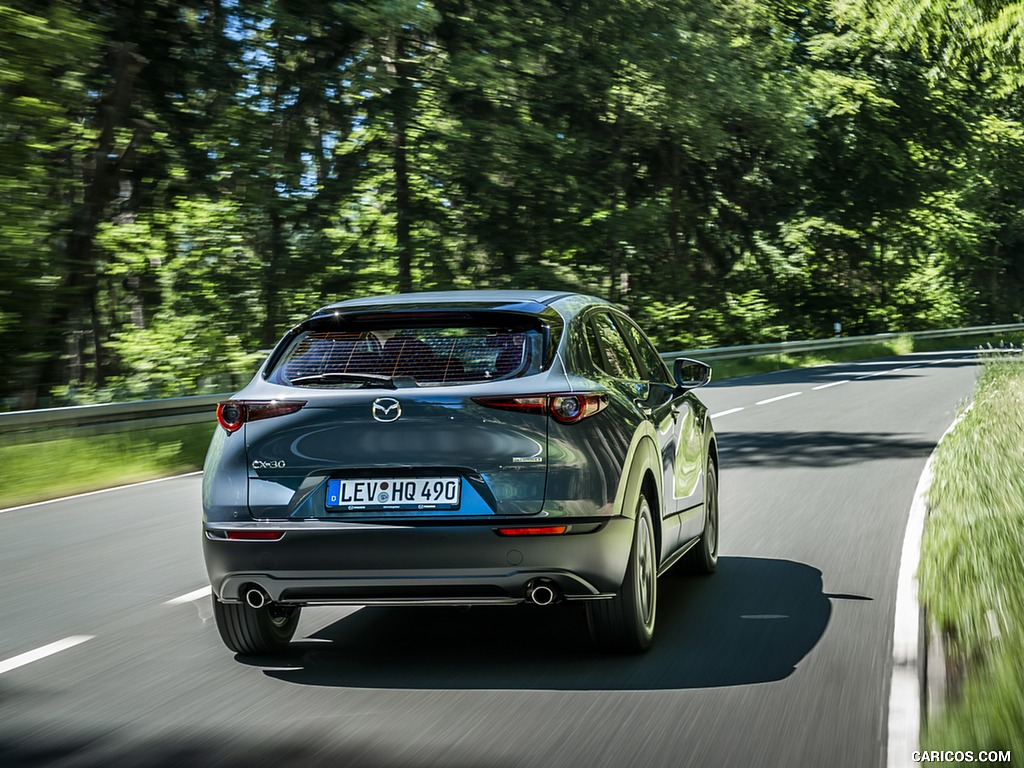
(114, 417)
(118, 417)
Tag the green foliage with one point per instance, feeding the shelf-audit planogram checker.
(971, 564)
(183, 181)
(991, 708)
(973, 543)
(43, 61)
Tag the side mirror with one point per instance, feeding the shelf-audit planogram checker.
(690, 374)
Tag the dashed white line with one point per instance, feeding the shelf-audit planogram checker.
(776, 399)
(191, 596)
(838, 383)
(725, 413)
(41, 653)
(832, 384)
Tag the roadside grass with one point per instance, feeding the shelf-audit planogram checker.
(971, 578)
(65, 465)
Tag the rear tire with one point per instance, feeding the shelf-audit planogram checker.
(266, 630)
(625, 624)
(703, 558)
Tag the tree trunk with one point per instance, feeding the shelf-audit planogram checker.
(403, 216)
(401, 98)
(101, 185)
(278, 256)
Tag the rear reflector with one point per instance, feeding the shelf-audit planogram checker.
(547, 530)
(255, 535)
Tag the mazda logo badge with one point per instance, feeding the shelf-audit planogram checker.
(386, 409)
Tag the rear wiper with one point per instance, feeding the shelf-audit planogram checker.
(367, 379)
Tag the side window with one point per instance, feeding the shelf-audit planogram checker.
(614, 356)
(593, 349)
(654, 367)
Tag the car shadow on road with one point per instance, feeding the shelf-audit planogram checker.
(817, 449)
(752, 622)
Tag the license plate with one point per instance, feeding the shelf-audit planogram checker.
(395, 493)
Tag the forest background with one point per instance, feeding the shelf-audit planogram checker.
(182, 180)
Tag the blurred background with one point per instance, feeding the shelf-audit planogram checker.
(180, 181)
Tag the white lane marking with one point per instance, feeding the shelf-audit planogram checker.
(725, 413)
(904, 690)
(102, 490)
(776, 399)
(191, 596)
(907, 368)
(870, 375)
(41, 653)
(833, 384)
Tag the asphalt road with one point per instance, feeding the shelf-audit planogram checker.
(782, 658)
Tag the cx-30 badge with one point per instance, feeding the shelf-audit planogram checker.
(386, 409)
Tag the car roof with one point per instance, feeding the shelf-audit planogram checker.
(443, 297)
(508, 300)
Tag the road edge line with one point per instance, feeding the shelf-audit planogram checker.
(908, 674)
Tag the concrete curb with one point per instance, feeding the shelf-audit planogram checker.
(908, 692)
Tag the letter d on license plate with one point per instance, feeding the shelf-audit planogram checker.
(395, 493)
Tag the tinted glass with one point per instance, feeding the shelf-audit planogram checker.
(455, 355)
(614, 355)
(654, 367)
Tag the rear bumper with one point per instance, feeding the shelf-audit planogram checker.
(325, 563)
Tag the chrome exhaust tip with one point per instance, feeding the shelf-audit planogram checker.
(541, 592)
(256, 597)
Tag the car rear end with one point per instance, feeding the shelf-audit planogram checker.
(399, 454)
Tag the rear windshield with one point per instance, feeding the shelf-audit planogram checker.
(408, 356)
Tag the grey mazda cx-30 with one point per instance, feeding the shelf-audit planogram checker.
(459, 448)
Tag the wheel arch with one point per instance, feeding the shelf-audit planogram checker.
(642, 477)
(649, 487)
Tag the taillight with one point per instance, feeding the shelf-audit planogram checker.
(232, 414)
(528, 404)
(567, 407)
